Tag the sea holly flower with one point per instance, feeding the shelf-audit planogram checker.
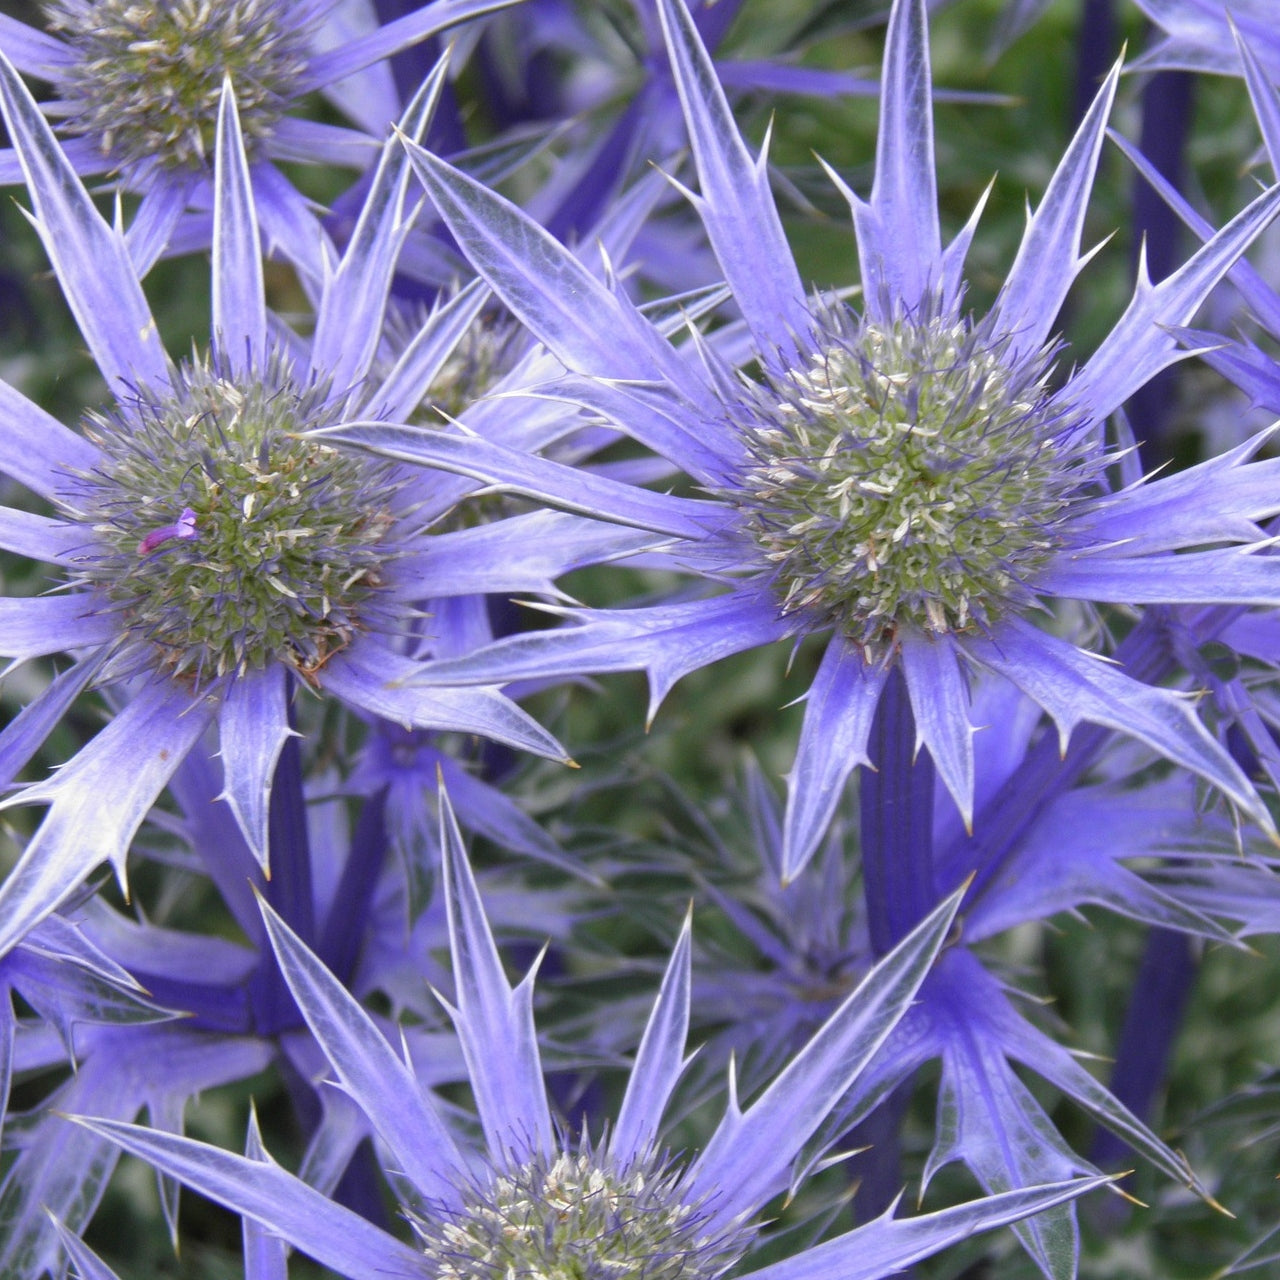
(137, 90)
(92, 982)
(215, 553)
(531, 1200)
(910, 481)
(783, 954)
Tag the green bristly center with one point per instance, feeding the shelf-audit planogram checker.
(572, 1219)
(224, 540)
(906, 478)
(148, 78)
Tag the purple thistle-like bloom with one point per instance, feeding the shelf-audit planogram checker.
(97, 979)
(214, 554)
(529, 1201)
(909, 480)
(1142, 851)
(137, 88)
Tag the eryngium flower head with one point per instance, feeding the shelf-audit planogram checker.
(913, 482)
(528, 1204)
(210, 550)
(573, 1216)
(908, 476)
(144, 80)
(137, 88)
(224, 540)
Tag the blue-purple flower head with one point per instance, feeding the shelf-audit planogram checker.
(143, 81)
(139, 84)
(576, 1214)
(223, 541)
(212, 549)
(911, 480)
(907, 476)
(527, 1200)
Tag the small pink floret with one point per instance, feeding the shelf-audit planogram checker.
(184, 527)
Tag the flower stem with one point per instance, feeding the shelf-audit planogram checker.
(896, 798)
(348, 920)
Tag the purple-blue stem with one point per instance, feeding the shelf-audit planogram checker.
(1167, 103)
(896, 800)
(348, 920)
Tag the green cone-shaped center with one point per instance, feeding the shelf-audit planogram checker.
(148, 78)
(573, 1219)
(906, 478)
(224, 540)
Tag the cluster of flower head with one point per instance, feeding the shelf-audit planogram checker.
(1004, 648)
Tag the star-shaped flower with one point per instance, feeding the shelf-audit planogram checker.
(908, 480)
(526, 1200)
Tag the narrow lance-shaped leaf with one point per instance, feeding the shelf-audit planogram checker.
(899, 243)
(567, 488)
(253, 729)
(311, 1222)
(1140, 345)
(888, 1244)
(130, 760)
(594, 331)
(659, 1060)
(89, 256)
(87, 1264)
(736, 205)
(1048, 258)
(1073, 686)
(939, 694)
(349, 323)
(838, 715)
(265, 1254)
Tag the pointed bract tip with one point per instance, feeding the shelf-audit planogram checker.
(1121, 1192)
(1215, 1205)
